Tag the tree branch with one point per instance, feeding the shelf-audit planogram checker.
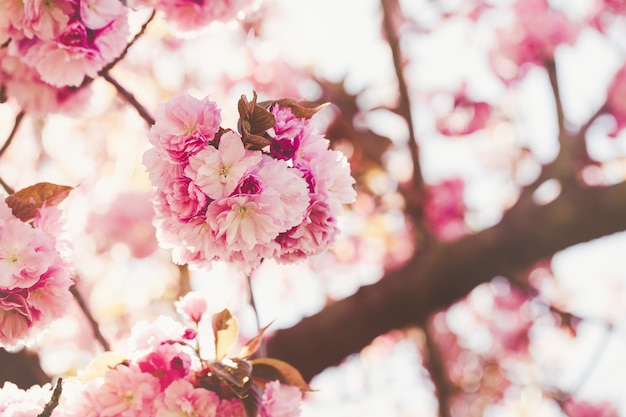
(441, 275)
(94, 324)
(16, 125)
(418, 192)
(130, 98)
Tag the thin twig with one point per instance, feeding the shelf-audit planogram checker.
(94, 324)
(54, 400)
(130, 98)
(417, 195)
(6, 186)
(111, 64)
(16, 125)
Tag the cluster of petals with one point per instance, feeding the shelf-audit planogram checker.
(34, 277)
(217, 199)
(533, 36)
(160, 378)
(52, 46)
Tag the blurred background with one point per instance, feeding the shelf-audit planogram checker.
(485, 137)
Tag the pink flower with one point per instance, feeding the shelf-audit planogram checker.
(330, 176)
(167, 363)
(242, 222)
(192, 306)
(311, 237)
(46, 19)
(25, 254)
(78, 51)
(181, 399)
(280, 400)
(34, 278)
(218, 171)
(444, 209)
(184, 126)
(24, 84)
(186, 199)
(231, 408)
(532, 38)
(161, 170)
(127, 392)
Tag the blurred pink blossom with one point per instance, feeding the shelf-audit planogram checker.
(575, 408)
(192, 306)
(280, 400)
(533, 36)
(444, 209)
(120, 224)
(616, 100)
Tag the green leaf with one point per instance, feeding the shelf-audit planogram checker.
(26, 203)
(253, 344)
(269, 369)
(225, 330)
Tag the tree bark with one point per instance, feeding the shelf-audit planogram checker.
(438, 277)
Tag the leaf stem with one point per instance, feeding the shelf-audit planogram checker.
(262, 348)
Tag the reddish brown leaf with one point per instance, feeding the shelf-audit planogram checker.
(253, 344)
(270, 369)
(254, 120)
(300, 108)
(235, 373)
(26, 203)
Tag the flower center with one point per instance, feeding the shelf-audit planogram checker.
(74, 35)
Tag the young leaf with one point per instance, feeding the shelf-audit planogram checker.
(300, 108)
(253, 344)
(270, 369)
(254, 120)
(236, 373)
(252, 402)
(225, 330)
(26, 203)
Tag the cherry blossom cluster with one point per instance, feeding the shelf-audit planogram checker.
(165, 375)
(49, 48)
(273, 191)
(34, 276)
